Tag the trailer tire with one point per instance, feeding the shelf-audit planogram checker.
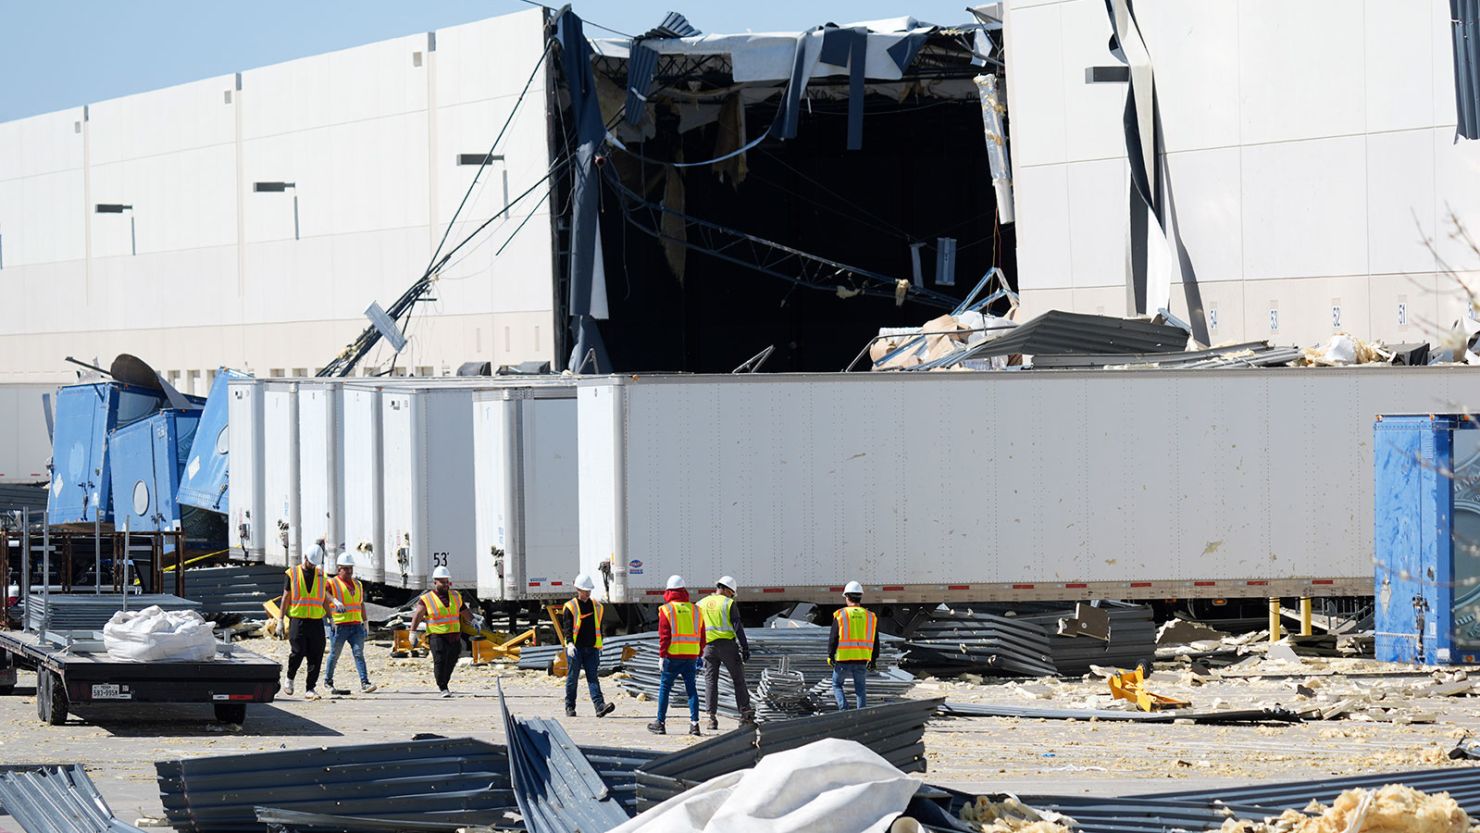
(231, 713)
(51, 697)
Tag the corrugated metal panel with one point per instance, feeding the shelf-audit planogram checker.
(1227, 716)
(57, 799)
(1252, 353)
(1462, 784)
(1134, 815)
(462, 781)
(17, 496)
(557, 789)
(1059, 332)
(237, 589)
(982, 642)
(896, 732)
(69, 612)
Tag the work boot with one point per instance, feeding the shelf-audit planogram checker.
(368, 688)
(747, 717)
(657, 727)
(713, 722)
(694, 730)
(606, 709)
(570, 711)
(288, 687)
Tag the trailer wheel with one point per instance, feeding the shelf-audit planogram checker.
(51, 697)
(231, 713)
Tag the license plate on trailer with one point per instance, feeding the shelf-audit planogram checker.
(109, 691)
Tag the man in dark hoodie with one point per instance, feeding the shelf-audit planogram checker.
(680, 639)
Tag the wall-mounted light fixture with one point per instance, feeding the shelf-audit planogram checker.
(119, 208)
(278, 188)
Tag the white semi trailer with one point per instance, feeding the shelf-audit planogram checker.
(525, 471)
(1008, 486)
(25, 440)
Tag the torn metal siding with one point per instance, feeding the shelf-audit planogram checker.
(57, 799)
(1465, 22)
(557, 789)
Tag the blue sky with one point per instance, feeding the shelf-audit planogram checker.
(56, 54)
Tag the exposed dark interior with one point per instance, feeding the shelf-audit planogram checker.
(922, 173)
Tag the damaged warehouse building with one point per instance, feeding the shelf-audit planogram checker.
(687, 201)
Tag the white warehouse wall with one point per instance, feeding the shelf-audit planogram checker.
(370, 137)
(1310, 153)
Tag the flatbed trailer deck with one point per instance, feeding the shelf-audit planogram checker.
(81, 673)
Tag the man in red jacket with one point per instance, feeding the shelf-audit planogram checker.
(680, 641)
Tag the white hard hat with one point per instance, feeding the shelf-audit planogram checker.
(853, 589)
(442, 572)
(314, 557)
(346, 560)
(584, 582)
(675, 583)
(726, 581)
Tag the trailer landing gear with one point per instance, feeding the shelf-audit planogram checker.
(51, 697)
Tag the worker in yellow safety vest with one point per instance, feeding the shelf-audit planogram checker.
(582, 619)
(347, 609)
(680, 639)
(722, 631)
(852, 645)
(443, 611)
(302, 606)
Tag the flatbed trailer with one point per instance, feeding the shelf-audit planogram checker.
(74, 671)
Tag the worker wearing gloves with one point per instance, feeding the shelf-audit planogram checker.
(581, 618)
(443, 611)
(302, 606)
(722, 630)
(853, 645)
(347, 609)
(680, 638)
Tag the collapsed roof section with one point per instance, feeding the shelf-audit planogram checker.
(735, 170)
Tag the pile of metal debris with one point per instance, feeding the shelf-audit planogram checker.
(968, 339)
(1039, 641)
(1342, 803)
(798, 652)
(542, 782)
(896, 732)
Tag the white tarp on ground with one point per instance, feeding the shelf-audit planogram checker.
(156, 635)
(831, 786)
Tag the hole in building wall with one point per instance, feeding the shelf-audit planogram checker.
(922, 174)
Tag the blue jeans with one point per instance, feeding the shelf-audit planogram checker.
(672, 670)
(588, 660)
(355, 635)
(841, 671)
